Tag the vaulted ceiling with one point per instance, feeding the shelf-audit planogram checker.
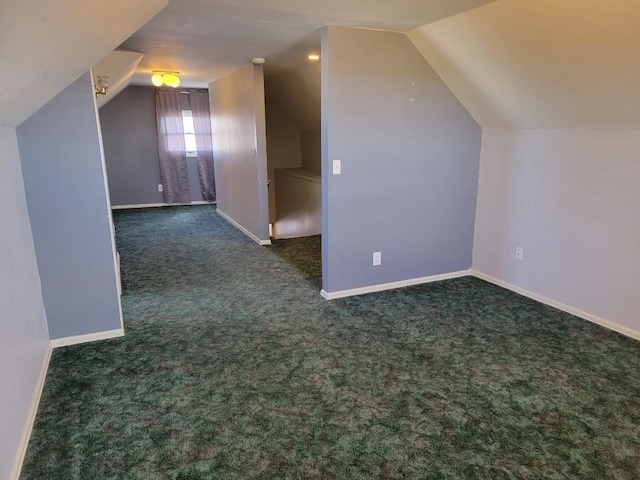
(512, 63)
(205, 39)
(542, 63)
(46, 44)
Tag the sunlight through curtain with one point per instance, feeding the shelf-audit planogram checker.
(173, 164)
(202, 125)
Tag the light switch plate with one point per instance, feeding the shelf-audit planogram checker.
(337, 167)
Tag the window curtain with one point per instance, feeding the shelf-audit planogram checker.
(173, 164)
(202, 124)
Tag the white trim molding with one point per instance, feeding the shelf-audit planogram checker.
(153, 205)
(388, 286)
(91, 337)
(616, 327)
(242, 229)
(33, 409)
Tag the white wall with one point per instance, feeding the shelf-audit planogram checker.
(24, 340)
(570, 198)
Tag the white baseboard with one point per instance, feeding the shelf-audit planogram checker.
(616, 327)
(152, 205)
(389, 286)
(242, 229)
(91, 337)
(33, 409)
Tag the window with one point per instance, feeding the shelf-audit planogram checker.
(189, 133)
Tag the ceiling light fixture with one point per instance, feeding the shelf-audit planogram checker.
(101, 84)
(314, 57)
(170, 79)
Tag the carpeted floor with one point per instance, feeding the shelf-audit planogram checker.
(234, 367)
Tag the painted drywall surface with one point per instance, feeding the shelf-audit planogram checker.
(542, 64)
(283, 149)
(311, 147)
(24, 337)
(297, 95)
(294, 97)
(410, 155)
(261, 152)
(62, 166)
(59, 39)
(131, 147)
(119, 66)
(239, 149)
(570, 198)
(223, 34)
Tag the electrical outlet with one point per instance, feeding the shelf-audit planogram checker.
(519, 253)
(377, 258)
(160, 189)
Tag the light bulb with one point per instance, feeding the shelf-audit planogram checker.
(172, 80)
(156, 79)
(102, 82)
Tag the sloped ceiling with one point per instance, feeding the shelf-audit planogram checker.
(297, 95)
(542, 63)
(292, 83)
(46, 44)
(119, 67)
(206, 39)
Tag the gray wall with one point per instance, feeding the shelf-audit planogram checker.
(24, 339)
(131, 147)
(239, 149)
(130, 139)
(293, 122)
(296, 95)
(311, 146)
(283, 149)
(570, 198)
(410, 155)
(63, 170)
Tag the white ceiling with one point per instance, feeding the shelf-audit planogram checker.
(542, 63)
(512, 63)
(205, 39)
(46, 44)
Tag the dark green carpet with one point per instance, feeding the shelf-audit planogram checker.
(233, 367)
